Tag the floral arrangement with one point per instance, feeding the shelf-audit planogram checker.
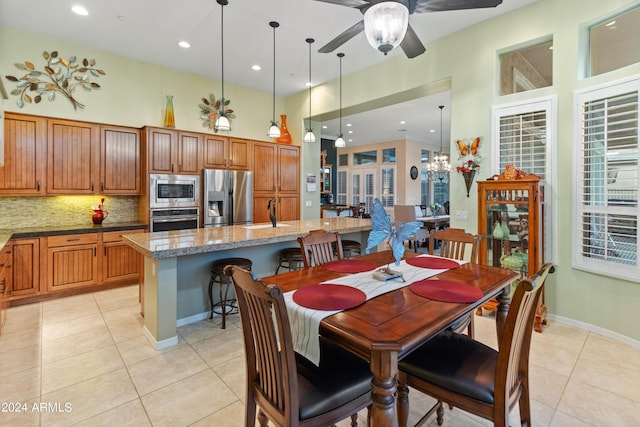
(470, 165)
(435, 207)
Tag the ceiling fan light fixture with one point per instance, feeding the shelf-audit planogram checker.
(385, 25)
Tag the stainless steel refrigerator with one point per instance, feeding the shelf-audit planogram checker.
(228, 197)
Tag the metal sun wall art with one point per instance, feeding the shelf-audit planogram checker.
(209, 111)
(60, 76)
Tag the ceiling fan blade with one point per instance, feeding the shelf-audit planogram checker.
(422, 6)
(411, 45)
(348, 3)
(343, 38)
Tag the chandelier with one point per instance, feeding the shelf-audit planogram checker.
(438, 169)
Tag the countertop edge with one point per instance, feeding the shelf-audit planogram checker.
(24, 233)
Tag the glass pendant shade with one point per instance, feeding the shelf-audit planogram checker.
(222, 123)
(274, 130)
(385, 25)
(340, 142)
(309, 136)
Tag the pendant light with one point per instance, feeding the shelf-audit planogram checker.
(274, 130)
(385, 24)
(439, 168)
(222, 121)
(309, 136)
(340, 141)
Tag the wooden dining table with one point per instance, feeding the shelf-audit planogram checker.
(386, 328)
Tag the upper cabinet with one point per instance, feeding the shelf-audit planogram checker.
(172, 152)
(120, 160)
(220, 152)
(25, 155)
(73, 157)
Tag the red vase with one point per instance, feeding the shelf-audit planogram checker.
(285, 136)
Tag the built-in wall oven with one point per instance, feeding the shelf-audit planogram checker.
(174, 191)
(174, 219)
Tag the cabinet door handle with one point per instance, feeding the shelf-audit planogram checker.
(171, 167)
(91, 185)
(230, 162)
(102, 186)
(105, 251)
(95, 252)
(38, 185)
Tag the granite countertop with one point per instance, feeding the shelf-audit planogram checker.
(169, 244)
(29, 232)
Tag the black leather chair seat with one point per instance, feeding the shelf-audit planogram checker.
(340, 378)
(455, 362)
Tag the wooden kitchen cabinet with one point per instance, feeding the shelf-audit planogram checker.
(172, 152)
(73, 157)
(22, 259)
(72, 261)
(120, 261)
(25, 155)
(276, 176)
(120, 169)
(220, 152)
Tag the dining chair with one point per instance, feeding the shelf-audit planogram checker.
(455, 243)
(469, 375)
(409, 213)
(320, 247)
(282, 386)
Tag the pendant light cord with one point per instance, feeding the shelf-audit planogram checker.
(222, 51)
(340, 55)
(310, 41)
(441, 107)
(274, 25)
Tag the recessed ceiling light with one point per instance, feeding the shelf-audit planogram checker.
(80, 10)
(350, 131)
(324, 126)
(307, 84)
(184, 44)
(432, 130)
(402, 122)
(348, 124)
(350, 140)
(256, 67)
(122, 18)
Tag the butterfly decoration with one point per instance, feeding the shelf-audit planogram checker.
(383, 229)
(466, 149)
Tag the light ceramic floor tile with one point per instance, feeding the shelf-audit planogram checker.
(118, 298)
(24, 317)
(20, 359)
(561, 419)
(221, 348)
(174, 365)
(20, 386)
(229, 416)
(188, 401)
(131, 414)
(546, 386)
(13, 339)
(75, 302)
(137, 349)
(607, 350)
(124, 323)
(566, 342)
(194, 332)
(81, 367)
(598, 407)
(24, 417)
(234, 375)
(90, 398)
(622, 379)
(64, 313)
(57, 349)
(72, 326)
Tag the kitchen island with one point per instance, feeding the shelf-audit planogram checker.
(177, 265)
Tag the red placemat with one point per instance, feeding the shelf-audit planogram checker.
(446, 290)
(329, 297)
(433, 262)
(349, 266)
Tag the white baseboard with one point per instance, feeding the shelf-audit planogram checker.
(159, 345)
(193, 319)
(596, 329)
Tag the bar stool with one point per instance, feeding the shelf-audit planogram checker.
(226, 305)
(290, 258)
(350, 248)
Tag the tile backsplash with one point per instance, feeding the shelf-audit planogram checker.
(25, 212)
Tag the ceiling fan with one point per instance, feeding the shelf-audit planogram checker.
(386, 22)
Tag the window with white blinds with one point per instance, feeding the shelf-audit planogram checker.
(356, 190)
(388, 186)
(369, 190)
(522, 141)
(341, 193)
(606, 230)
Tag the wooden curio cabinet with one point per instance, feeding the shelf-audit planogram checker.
(511, 216)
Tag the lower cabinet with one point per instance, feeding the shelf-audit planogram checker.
(119, 260)
(72, 261)
(21, 259)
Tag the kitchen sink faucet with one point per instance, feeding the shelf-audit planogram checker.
(271, 207)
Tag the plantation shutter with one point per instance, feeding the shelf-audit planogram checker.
(522, 141)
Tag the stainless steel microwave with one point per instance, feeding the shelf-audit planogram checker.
(174, 191)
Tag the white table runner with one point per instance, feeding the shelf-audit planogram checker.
(305, 322)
